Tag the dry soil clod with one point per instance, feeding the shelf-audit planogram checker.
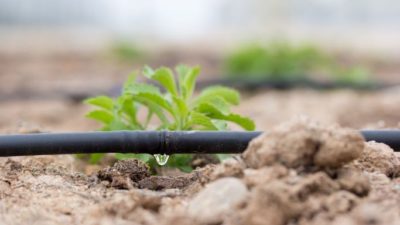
(378, 157)
(125, 173)
(303, 144)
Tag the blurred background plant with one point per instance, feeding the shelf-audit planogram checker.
(126, 51)
(284, 61)
(351, 75)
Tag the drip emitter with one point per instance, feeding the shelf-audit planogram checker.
(151, 142)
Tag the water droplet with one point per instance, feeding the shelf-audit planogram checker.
(161, 159)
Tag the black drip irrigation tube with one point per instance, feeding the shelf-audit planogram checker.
(282, 84)
(239, 83)
(151, 142)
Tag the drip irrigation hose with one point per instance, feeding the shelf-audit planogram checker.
(239, 83)
(151, 142)
(282, 84)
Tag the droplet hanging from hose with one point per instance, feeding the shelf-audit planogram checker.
(161, 159)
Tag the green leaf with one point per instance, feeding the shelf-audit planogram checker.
(187, 80)
(153, 107)
(180, 113)
(166, 79)
(156, 98)
(142, 157)
(96, 157)
(182, 70)
(181, 106)
(228, 94)
(196, 118)
(215, 105)
(101, 116)
(220, 104)
(220, 124)
(148, 118)
(148, 71)
(244, 122)
(180, 161)
(140, 88)
(212, 111)
(223, 157)
(131, 80)
(103, 102)
(185, 168)
(128, 107)
(118, 125)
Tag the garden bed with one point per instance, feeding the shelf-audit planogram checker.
(301, 172)
(290, 177)
(267, 108)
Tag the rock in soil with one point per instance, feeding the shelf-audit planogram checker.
(353, 180)
(216, 200)
(167, 182)
(378, 157)
(125, 174)
(304, 144)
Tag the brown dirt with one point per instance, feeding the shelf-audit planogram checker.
(304, 144)
(125, 174)
(347, 108)
(284, 177)
(39, 90)
(269, 108)
(300, 172)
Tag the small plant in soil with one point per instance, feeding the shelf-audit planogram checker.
(285, 62)
(124, 51)
(173, 108)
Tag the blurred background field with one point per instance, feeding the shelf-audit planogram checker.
(55, 53)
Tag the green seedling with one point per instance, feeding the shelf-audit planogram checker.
(126, 52)
(174, 107)
(276, 61)
(354, 75)
(281, 61)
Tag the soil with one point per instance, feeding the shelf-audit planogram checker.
(268, 108)
(300, 172)
(347, 108)
(41, 89)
